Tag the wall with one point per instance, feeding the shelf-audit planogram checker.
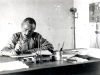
(54, 20)
(85, 31)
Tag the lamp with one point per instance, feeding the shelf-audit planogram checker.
(73, 9)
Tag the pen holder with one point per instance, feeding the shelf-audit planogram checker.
(58, 55)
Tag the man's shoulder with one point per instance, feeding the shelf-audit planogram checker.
(35, 34)
(17, 34)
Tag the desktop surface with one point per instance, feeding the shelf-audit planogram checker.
(91, 67)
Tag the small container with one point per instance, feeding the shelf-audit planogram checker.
(58, 55)
(29, 59)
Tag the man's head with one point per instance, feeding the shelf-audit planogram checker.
(28, 26)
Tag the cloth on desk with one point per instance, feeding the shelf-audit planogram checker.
(12, 65)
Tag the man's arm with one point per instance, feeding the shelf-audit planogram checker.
(46, 45)
(9, 50)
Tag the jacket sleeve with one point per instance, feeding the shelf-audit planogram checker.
(45, 45)
(11, 44)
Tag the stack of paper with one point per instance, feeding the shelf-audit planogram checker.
(44, 52)
(77, 60)
(92, 52)
(68, 54)
(80, 60)
(12, 65)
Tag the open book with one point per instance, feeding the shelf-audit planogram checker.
(43, 52)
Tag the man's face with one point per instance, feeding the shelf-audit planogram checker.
(27, 29)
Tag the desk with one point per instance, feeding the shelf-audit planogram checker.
(56, 68)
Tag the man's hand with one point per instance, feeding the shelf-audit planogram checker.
(18, 47)
(44, 48)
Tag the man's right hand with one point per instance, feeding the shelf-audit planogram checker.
(18, 47)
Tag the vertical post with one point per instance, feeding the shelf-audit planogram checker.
(74, 31)
(39, 49)
(73, 10)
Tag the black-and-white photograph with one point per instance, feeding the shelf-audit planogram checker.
(49, 37)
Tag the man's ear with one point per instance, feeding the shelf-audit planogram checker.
(34, 27)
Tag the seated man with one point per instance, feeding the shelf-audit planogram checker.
(26, 41)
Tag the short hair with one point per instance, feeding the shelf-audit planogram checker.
(29, 20)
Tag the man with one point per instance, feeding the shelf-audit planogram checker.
(27, 41)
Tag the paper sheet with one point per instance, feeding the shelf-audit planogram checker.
(12, 65)
(46, 52)
(92, 52)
